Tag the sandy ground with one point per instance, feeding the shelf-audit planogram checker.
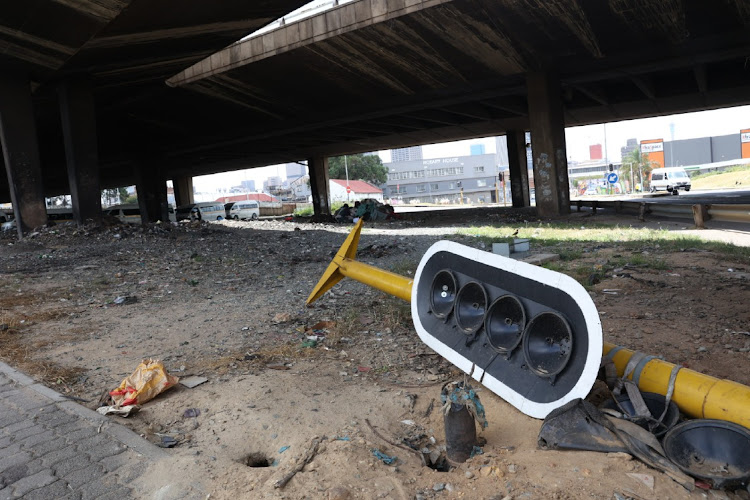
(226, 301)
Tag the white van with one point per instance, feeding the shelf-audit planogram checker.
(245, 210)
(669, 179)
(209, 210)
(130, 213)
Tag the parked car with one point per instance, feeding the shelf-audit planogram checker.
(245, 210)
(670, 179)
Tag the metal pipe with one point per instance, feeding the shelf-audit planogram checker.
(697, 395)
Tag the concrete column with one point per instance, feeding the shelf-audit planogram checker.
(151, 187)
(548, 145)
(21, 152)
(519, 172)
(78, 114)
(319, 184)
(183, 190)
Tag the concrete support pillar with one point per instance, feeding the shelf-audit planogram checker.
(78, 114)
(548, 145)
(319, 184)
(151, 186)
(21, 152)
(519, 172)
(183, 190)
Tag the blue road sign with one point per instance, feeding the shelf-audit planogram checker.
(612, 178)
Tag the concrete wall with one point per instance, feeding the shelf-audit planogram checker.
(726, 147)
(701, 151)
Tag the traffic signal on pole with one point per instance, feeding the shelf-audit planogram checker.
(611, 168)
(500, 177)
(530, 335)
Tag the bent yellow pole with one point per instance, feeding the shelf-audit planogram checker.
(343, 264)
(696, 394)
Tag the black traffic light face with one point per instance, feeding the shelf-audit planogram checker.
(530, 335)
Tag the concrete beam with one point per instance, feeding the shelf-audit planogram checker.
(21, 152)
(548, 145)
(151, 187)
(334, 22)
(319, 184)
(78, 114)
(519, 172)
(183, 190)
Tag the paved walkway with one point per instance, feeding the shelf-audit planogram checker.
(53, 448)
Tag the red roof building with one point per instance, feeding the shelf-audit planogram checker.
(248, 197)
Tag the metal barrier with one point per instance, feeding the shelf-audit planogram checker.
(699, 213)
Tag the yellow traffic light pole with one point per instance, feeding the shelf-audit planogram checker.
(696, 394)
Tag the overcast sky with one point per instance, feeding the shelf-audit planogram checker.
(578, 139)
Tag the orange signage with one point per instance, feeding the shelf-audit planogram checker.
(654, 148)
(745, 141)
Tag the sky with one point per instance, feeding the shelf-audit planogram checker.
(578, 139)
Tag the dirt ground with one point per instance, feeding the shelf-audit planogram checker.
(226, 301)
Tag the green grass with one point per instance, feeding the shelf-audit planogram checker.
(570, 240)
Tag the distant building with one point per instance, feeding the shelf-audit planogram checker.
(406, 154)
(358, 190)
(595, 152)
(442, 180)
(631, 145)
(249, 197)
(300, 188)
(501, 152)
(476, 149)
(248, 185)
(295, 171)
(272, 183)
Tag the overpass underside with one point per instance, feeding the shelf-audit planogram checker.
(376, 74)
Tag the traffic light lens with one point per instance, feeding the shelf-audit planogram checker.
(547, 344)
(471, 304)
(443, 294)
(505, 323)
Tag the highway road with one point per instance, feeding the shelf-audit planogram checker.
(697, 197)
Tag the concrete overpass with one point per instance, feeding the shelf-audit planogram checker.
(375, 74)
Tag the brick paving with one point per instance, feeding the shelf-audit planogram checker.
(53, 448)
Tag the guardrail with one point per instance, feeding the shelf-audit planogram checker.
(699, 213)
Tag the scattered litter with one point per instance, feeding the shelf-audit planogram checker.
(193, 381)
(363, 369)
(126, 300)
(167, 442)
(408, 422)
(643, 478)
(149, 379)
(342, 438)
(283, 449)
(309, 343)
(122, 411)
(477, 450)
(386, 459)
(191, 413)
(281, 318)
(611, 291)
(277, 366)
(463, 395)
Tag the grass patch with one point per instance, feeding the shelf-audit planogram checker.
(570, 240)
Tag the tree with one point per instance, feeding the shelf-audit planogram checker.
(637, 166)
(361, 167)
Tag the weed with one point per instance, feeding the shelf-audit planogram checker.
(405, 267)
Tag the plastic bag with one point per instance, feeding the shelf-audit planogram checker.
(149, 379)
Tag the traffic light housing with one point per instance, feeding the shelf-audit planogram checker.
(500, 177)
(530, 335)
